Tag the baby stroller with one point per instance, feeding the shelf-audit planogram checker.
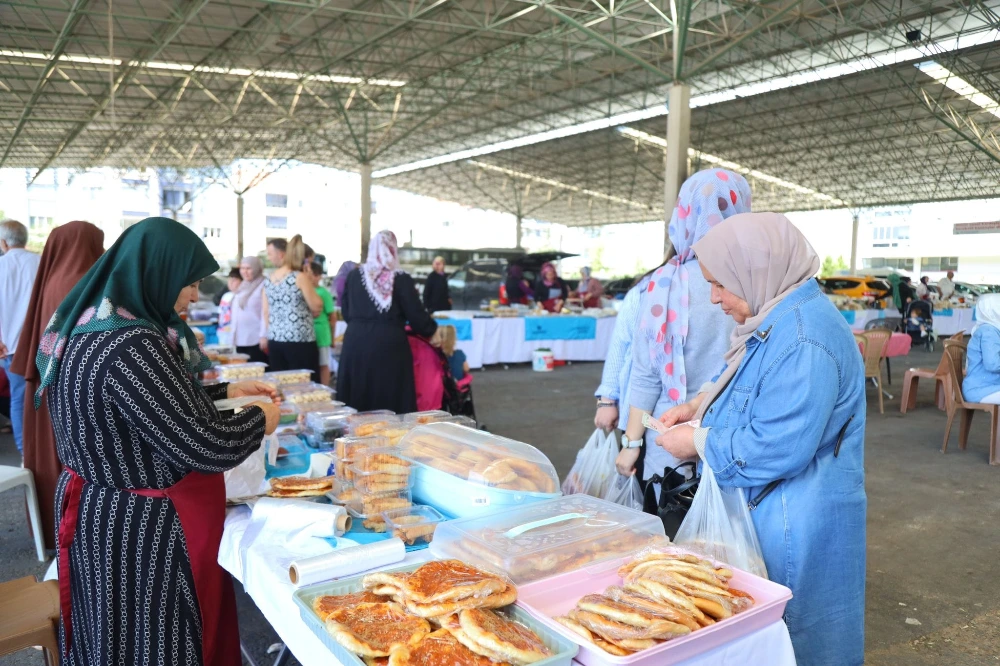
(436, 387)
(919, 323)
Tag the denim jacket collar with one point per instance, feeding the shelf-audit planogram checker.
(806, 292)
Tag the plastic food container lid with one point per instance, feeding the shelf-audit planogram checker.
(368, 423)
(306, 408)
(230, 404)
(310, 392)
(415, 524)
(322, 421)
(289, 376)
(426, 417)
(546, 538)
(233, 359)
(481, 458)
(379, 482)
(346, 448)
(241, 370)
(371, 505)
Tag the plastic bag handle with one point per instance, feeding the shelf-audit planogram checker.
(515, 532)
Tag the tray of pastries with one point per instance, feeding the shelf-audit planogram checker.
(442, 613)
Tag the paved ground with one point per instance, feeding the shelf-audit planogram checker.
(932, 519)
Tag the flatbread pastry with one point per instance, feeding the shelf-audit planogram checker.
(498, 600)
(449, 580)
(615, 631)
(372, 630)
(652, 605)
(501, 636)
(493, 474)
(626, 614)
(302, 483)
(275, 492)
(439, 648)
(326, 604)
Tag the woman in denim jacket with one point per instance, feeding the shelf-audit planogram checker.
(785, 421)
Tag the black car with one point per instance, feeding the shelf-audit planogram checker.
(618, 287)
(480, 280)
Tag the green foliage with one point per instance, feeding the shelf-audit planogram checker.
(830, 267)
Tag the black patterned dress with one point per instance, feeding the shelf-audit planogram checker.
(127, 414)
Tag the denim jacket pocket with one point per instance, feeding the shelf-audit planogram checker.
(739, 398)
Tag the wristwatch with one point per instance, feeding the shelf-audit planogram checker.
(631, 443)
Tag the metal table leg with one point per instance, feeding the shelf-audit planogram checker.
(282, 657)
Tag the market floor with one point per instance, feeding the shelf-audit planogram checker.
(932, 536)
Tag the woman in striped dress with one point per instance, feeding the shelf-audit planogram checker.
(142, 500)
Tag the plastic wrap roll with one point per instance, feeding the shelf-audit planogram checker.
(302, 518)
(346, 562)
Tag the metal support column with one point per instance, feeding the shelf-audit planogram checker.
(239, 227)
(366, 208)
(678, 139)
(854, 240)
(519, 232)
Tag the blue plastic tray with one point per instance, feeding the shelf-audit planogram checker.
(465, 499)
(563, 650)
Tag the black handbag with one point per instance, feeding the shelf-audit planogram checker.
(676, 494)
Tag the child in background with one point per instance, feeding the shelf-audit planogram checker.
(445, 339)
(325, 323)
(225, 330)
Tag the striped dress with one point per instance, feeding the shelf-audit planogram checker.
(127, 414)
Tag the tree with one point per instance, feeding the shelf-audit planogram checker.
(830, 267)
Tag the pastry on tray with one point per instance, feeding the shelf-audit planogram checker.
(300, 486)
(439, 581)
(494, 635)
(374, 629)
(326, 604)
(439, 648)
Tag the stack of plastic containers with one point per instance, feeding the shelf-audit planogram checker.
(382, 480)
(240, 371)
(322, 428)
(299, 394)
(283, 377)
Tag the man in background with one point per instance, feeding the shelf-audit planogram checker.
(276, 251)
(946, 286)
(436, 296)
(18, 268)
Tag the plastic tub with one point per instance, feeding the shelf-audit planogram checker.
(294, 460)
(420, 418)
(369, 507)
(378, 482)
(466, 472)
(232, 373)
(329, 420)
(543, 539)
(543, 361)
(304, 393)
(323, 407)
(282, 377)
(556, 596)
(413, 525)
(233, 359)
(219, 349)
(289, 414)
(364, 424)
(563, 650)
(344, 493)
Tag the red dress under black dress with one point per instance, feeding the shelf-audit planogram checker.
(142, 503)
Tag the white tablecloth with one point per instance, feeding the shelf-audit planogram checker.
(960, 319)
(271, 590)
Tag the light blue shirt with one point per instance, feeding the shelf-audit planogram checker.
(798, 390)
(618, 363)
(982, 376)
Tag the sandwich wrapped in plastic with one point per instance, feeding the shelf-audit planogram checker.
(546, 538)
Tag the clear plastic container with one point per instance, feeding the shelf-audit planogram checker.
(421, 418)
(378, 482)
(329, 420)
(548, 538)
(343, 492)
(233, 373)
(395, 432)
(306, 393)
(413, 525)
(219, 349)
(233, 358)
(310, 407)
(347, 448)
(462, 421)
(372, 459)
(291, 429)
(289, 414)
(481, 458)
(293, 457)
(370, 506)
(283, 377)
(364, 424)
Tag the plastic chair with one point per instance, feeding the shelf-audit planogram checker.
(874, 348)
(29, 617)
(955, 403)
(912, 377)
(957, 349)
(11, 477)
(888, 323)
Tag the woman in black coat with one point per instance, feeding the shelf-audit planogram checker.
(376, 365)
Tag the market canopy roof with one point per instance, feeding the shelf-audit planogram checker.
(550, 110)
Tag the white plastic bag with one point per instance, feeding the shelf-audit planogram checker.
(625, 490)
(247, 478)
(719, 525)
(594, 466)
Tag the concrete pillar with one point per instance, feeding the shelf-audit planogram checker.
(854, 240)
(678, 139)
(239, 227)
(519, 232)
(366, 209)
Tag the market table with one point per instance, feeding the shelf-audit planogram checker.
(265, 578)
(947, 321)
(493, 340)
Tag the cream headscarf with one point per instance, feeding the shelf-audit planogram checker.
(761, 258)
(988, 311)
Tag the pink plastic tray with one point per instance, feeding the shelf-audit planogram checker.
(558, 595)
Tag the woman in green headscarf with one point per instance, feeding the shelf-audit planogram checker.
(142, 501)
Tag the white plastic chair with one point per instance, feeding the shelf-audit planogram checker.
(11, 477)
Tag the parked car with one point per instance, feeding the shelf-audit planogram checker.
(618, 287)
(857, 287)
(970, 292)
(481, 280)
(989, 288)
